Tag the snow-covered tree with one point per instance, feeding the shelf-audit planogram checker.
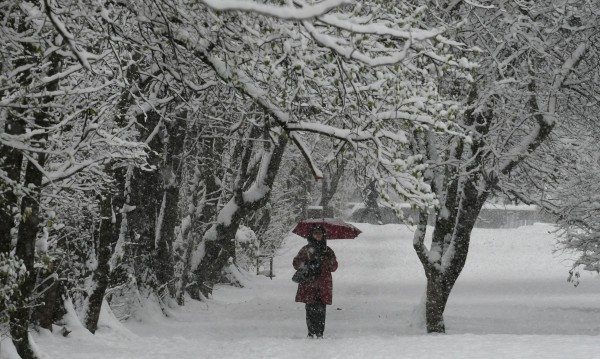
(56, 127)
(535, 57)
(569, 191)
(354, 74)
(167, 122)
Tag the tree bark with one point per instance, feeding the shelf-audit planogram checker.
(49, 308)
(442, 276)
(25, 250)
(206, 195)
(30, 221)
(172, 175)
(101, 275)
(371, 197)
(219, 250)
(120, 196)
(435, 303)
(146, 194)
(11, 159)
(330, 184)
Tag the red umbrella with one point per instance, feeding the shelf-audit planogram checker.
(334, 228)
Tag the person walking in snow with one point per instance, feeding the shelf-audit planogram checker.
(317, 291)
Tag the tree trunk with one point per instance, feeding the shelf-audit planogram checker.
(441, 278)
(216, 257)
(222, 247)
(30, 221)
(120, 197)
(172, 175)
(10, 161)
(205, 182)
(197, 231)
(25, 250)
(146, 195)
(19, 319)
(435, 303)
(329, 186)
(371, 197)
(49, 308)
(101, 275)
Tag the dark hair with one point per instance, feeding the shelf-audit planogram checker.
(317, 227)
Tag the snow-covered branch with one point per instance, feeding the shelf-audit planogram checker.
(381, 29)
(546, 120)
(346, 134)
(80, 54)
(281, 12)
(419, 240)
(352, 53)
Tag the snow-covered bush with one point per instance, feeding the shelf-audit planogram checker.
(246, 248)
(12, 274)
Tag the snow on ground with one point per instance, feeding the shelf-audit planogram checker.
(512, 301)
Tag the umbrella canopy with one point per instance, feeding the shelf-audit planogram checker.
(334, 228)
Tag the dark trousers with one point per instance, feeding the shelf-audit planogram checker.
(315, 319)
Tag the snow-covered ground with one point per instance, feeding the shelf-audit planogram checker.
(512, 301)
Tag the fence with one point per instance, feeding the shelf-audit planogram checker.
(260, 261)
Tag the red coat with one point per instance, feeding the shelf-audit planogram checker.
(307, 291)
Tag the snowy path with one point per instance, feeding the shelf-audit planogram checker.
(511, 301)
